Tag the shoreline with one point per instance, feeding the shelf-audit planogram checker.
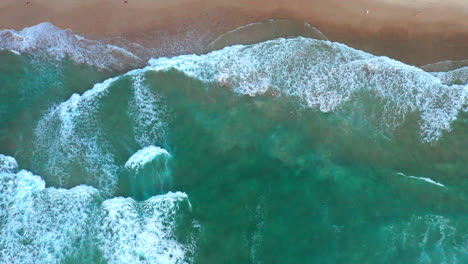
(416, 33)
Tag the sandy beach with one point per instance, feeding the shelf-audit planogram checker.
(417, 32)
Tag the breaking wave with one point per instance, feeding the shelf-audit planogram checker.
(326, 76)
(116, 139)
(144, 232)
(59, 43)
(50, 225)
(323, 75)
(453, 77)
(73, 138)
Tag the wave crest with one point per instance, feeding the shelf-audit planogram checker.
(51, 225)
(73, 138)
(326, 76)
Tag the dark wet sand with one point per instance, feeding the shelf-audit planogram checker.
(417, 33)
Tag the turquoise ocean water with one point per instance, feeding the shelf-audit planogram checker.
(287, 151)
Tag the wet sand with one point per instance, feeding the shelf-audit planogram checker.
(418, 32)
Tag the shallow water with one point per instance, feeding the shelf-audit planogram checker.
(287, 151)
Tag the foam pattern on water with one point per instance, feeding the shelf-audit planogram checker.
(149, 172)
(42, 225)
(59, 43)
(132, 232)
(325, 75)
(68, 135)
(71, 135)
(457, 76)
(145, 156)
(147, 110)
(50, 225)
(7, 164)
(433, 239)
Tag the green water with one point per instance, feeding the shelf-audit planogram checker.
(269, 180)
(274, 184)
(29, 86)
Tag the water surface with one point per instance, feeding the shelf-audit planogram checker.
(286, 151)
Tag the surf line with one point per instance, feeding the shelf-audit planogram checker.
(422, 179)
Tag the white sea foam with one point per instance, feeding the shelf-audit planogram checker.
(72, 135)
(132, 232)
(7, 164)
(432, 238)
(69, 136)
(60, 43)
(321, 74)
(148, 111)
(457, 76)
(145, 156)
(42, 225)
(15, 52)
(326, 75)
(429, 180)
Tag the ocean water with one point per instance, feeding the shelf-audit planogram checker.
(292, 150)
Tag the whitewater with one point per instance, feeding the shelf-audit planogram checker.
(287, 149)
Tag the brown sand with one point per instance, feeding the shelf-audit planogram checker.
(416, 32)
